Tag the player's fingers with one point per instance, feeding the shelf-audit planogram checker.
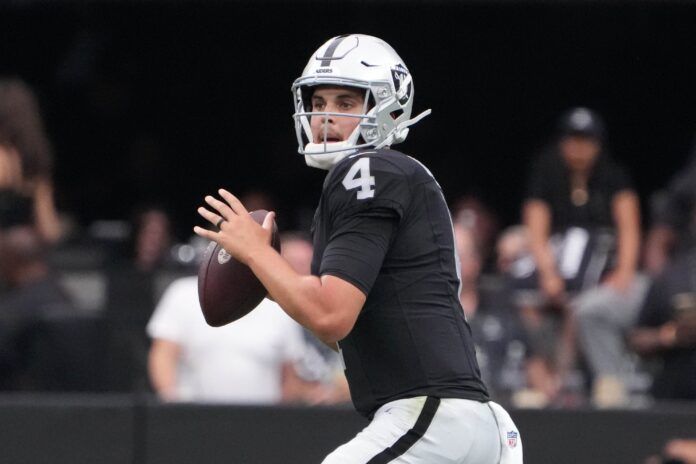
(268, 221)
(210, 216)
(222, 208)
(233, 201)
(205, 233)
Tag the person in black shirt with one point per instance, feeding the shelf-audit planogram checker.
(666, 329)
(673, 218)
(385, 283)
(578, 193)
(33, 303)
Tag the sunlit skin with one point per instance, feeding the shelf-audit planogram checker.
(333, 99)
(580, 152)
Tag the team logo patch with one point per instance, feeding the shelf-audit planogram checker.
(512, 439)
(223, 256)
(402, 82)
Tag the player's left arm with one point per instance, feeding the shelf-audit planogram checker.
(328, 305)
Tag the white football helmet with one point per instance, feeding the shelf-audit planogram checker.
(364, 62)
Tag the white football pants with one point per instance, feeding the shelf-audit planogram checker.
(426, 430)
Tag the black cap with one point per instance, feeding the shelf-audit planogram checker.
(581, 121)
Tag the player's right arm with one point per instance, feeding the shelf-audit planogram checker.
(327, 305)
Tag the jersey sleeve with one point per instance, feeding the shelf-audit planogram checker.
(367, 199)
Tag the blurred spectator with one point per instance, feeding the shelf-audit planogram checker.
(242, 362)
(673, 221)
(676, 451)
(542, 328)
(470, 212)
(131, 276)
(26, 186)
(318, 364)
(152, 238)
(500, 342)
(33, 296)
(513, 257)
(579, 193)
(132, 291)
(252, 360)
(666, 329)
(258, 199)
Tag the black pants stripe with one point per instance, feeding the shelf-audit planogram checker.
(412, 436)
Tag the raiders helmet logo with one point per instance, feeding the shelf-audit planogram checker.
(402, 82)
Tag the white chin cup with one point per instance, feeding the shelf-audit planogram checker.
(316, 156)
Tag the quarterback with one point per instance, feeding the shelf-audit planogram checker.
(384, 288)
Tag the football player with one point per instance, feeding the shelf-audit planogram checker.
(385, 283)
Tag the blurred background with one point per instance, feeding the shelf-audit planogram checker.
(168, 100)
(118, 117)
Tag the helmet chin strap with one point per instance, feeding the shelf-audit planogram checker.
(316, 157)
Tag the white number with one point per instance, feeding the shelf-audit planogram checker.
(359, 177)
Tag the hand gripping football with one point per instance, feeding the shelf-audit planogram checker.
(227, 289)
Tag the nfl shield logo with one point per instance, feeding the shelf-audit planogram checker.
(512, 439)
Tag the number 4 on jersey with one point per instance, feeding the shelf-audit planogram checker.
(359, 177)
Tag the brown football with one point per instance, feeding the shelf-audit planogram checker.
(227, 289)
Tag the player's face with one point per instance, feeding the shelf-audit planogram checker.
(336, 100)
(580, 152)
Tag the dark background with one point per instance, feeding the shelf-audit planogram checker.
(166, 101)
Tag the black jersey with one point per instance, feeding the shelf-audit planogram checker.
(382, 224)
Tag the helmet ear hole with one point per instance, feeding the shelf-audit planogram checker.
(396, 114)
(370, 101)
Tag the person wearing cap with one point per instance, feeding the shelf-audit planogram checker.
(583, 217)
